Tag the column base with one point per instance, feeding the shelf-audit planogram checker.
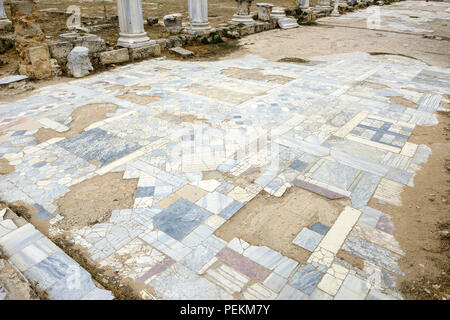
(6, 24)
(242, 19)
(133, 40)
(335, 14)
(199, 28)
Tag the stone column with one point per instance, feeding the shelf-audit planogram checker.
(132, 33)
(243, 15)
(264, 11)
(335, 12)
(303, 4)
(324, 4)
(5, 23)
(198, 17)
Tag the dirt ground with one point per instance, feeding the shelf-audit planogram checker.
(82, 117)
(92, 200)
(422, 224)
(275, 222)
(318, 40)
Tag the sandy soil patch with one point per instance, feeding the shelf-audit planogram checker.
(92, 200)
(5, 167)
(82, 117)
(422, 223)
(275, 222)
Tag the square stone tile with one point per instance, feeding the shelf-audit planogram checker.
(320, 228)
(191, 193)
(308, 239)
(97, 144)
(198, 258)
(214, 202)
(307, 277)
(231, 210)
(180, 218)
(336, 174)
(353, 288)
(298, 165)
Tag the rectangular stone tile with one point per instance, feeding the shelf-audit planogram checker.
(359, 163)
(374, 144)
(98, 294)
(307, 277)
(180, 283)
(20, 238)
(318, 294)
(334, 239)
(51, 270)
(275, 282)
(316, 189)
(243, 264)
(385, 224)
(349, 126)
(214, 202)
(285, 267)
(160, 267)
(336, 174)
(375, 294)
(258, 292)
(353, 288)
(227, 278)
(400, 176)
(363, 189)
(376, 236)
(373, 253)
(197, 258)
(6, 226)
(389, 192)
(290, 293)
(231, 210)
(97, 144)
(409, 149)
(77, 284)
(264, 256)
(370, 216)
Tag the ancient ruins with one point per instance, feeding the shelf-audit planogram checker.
(224, 150)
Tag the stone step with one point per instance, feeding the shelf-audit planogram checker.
(182, 52)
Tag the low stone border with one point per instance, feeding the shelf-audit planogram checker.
(52, 273)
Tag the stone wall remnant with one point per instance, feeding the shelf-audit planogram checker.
(34, 56)
(5, 23)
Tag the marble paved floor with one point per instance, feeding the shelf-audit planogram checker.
(330, 128)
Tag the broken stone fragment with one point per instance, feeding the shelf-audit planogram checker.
(182, 52)
(78, 62)
(56, 69)
(60, 50)
(152, 20)
(173, 23)
(151, 50)
(114, 56)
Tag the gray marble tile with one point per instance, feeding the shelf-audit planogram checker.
(308, 239)
(307, 278)
(180, 218)
(197, 258)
